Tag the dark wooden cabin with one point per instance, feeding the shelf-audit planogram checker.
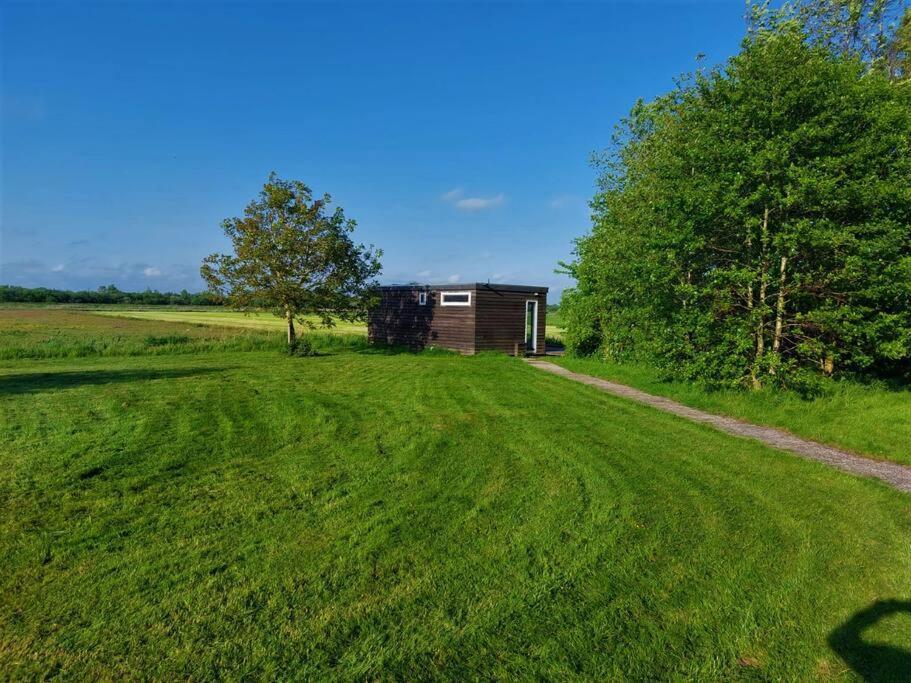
(468, 318)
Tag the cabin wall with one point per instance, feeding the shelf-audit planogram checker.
(495, 320)
(400, 320)
(453, 327)
(500, 319)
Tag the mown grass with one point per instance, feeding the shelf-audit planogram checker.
(872, 419)
(372, 514)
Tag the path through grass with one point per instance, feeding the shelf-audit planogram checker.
(873, 420)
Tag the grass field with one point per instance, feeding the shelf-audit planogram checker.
(224, 318)
(68, 333)
(553, 328)
(266, 321)
(371, 514)
(873, 419)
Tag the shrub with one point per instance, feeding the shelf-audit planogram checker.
(301, 346)
(167, 340)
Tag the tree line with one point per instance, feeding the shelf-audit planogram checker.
(105, 295)
(753, 225)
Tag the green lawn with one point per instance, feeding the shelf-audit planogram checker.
(369, 514)
(874, 420)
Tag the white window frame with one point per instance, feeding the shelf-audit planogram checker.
(445, 293)
(534, 336)
(422, 298)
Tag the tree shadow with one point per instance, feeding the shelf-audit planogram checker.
(33, 382)
(382, 349)
(399, 321)
(872, 661)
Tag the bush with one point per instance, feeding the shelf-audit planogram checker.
(167, 340)
(301, 346)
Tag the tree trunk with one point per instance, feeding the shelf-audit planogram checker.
(763, 288)
(828, 364)
(748, 257)
(779, 309)
(291, 334)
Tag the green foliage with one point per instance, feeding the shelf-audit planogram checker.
(899, 56)
(875, 31)
(166, 340)
(301, 346)
(294, 257)
(754, 225)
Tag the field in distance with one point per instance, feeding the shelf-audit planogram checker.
(264, 321)
(257, 320)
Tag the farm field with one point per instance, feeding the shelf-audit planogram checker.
(224, 318)
(370, 514)
(53, 332)
(217, 317)
(874, 419)
(264, 321)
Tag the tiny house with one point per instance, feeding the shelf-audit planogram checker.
(464, 317)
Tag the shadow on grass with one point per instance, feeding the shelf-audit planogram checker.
(872, 661)
(30, 382)
(378, 349)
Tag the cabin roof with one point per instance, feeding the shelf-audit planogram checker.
(469, 285)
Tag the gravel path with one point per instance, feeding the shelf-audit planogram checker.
(895, 475)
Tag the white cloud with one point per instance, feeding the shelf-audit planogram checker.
(423, 273)
(452, 195)
(456, 198)
(480, 203)
(151, 272)
(561, 201)
(57, 269)
(454, 278)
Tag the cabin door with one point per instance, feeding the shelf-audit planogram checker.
(531, 326)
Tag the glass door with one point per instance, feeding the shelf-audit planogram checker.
(531, 326)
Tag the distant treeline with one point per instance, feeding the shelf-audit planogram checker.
(104, 295)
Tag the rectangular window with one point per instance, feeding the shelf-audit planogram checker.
(455, 298)
(422, 299)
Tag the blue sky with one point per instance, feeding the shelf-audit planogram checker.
(459, 136)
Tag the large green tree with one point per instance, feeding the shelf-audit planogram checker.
(294, 256)
(754, 224)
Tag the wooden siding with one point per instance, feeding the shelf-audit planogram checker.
(453, 326)
(400, 320)
(500, 323)
(495, 320)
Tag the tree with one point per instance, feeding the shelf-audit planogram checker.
(294, 257)
(754, 225)
(899, 53)
(875, 31)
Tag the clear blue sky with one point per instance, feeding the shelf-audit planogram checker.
(459, 136)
